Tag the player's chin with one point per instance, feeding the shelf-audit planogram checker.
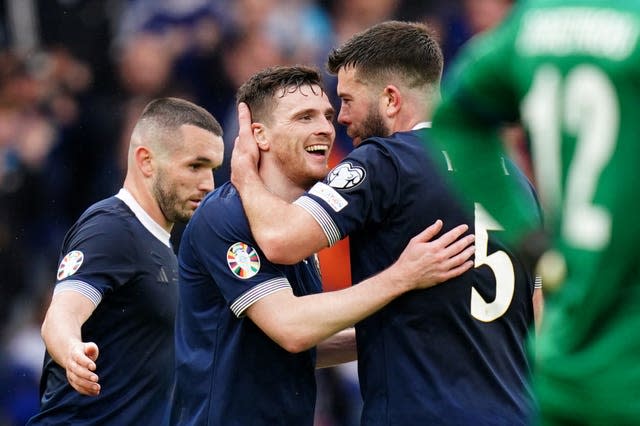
(185, 214)
(319, 172)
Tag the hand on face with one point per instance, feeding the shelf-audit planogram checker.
(245, 155)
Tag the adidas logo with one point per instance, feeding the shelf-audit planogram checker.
(162, 276)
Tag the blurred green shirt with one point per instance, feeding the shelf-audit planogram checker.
(569, 70)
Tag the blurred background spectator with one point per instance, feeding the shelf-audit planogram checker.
(74, 75)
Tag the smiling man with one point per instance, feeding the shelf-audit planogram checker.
(246, 327)
(450, 355)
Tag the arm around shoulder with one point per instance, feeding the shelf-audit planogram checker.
(299, 323)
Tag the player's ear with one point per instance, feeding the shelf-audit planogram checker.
(391, 100)
(143, 157)
(259, 134)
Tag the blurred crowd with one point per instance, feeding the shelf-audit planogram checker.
(74, 75)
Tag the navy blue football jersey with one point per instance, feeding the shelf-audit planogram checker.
(452, 354)
(118, 257)
(229, 372)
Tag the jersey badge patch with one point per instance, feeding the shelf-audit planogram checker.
(346, 176)
(70, 264)
(243, 260)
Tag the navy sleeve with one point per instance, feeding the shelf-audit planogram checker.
(360, 190)
(99, 251)
(224, 247)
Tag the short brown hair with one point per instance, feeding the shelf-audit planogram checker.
(260, 89)
(405, 48)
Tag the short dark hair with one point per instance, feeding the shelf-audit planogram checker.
(406, 48)
(260, 89)
(171, 113)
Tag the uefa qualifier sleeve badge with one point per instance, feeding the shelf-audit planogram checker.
(243, 260)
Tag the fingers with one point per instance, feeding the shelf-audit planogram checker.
(458, 264)
(245, 155)
(443, 258)
(244, 119)
(78, 381)
(449, 237)
(452, 273)
(80, 369)
(458, 247)
(429, 232)
(91, 350)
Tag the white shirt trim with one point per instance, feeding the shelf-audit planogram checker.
(81, 287)
(256, 293)
(321, 216)
(152, 226)
(422, 125)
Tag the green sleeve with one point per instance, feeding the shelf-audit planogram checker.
(478, 98)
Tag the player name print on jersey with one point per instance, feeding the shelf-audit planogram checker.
(346, 176)
(243, 260)
(70, 264)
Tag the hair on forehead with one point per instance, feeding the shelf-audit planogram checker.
(260, 90)
(407, 49)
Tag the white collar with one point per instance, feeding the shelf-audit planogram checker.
(152, 226)
(422, 125)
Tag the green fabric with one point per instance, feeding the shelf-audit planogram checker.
(570, 71)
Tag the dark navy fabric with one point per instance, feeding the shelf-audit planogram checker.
(228, 372)
(137, 276)
(424, 358)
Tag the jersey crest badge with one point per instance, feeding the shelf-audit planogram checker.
(243, 260)
(346, 176)
(70, 264)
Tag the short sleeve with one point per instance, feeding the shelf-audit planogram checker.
(360, 190)
(97, 254)
(220, 241)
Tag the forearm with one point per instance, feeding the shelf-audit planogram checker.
(60, 331)
(337, 349)
(298, 323)
(62, 326)
(309, 320)
(285, 232)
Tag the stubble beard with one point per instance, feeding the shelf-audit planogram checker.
(168, 200)
(373, 125)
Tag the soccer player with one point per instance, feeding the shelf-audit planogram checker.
(109, 328)
(453, 354)
(568, 71)
(246, 327)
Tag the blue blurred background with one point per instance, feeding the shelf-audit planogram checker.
(75, 74)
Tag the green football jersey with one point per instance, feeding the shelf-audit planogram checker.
(569, 71)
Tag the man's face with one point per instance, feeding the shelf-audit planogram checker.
(185, 175)
(360, 107)
(301, 134)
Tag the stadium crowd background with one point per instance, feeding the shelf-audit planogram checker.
(74, 75)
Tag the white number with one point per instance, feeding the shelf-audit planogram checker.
(500, 265)
(587, 108)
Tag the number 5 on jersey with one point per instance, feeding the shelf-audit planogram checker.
(500, 264)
